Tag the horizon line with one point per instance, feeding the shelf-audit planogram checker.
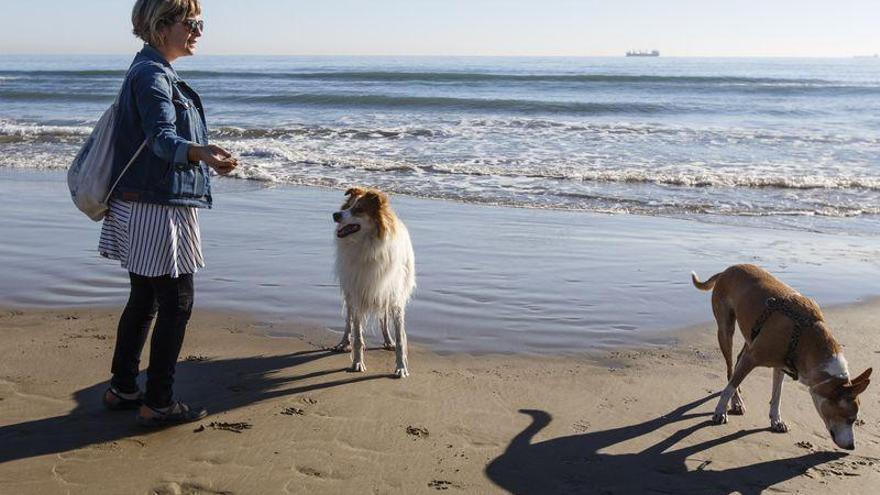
(340, 55)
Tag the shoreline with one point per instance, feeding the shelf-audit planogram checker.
(490, 279)
(287, 418)
(322, 338)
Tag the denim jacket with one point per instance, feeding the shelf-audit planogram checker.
(155, 103)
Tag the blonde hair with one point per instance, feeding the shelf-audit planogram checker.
(149, 17)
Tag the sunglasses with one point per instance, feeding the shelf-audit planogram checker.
(193, 24)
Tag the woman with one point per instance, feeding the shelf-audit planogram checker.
(152, 227)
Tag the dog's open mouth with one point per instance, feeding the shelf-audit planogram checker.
(347, 230)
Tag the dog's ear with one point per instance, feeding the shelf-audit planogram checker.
(373, 199)
(377, 196)
(376, 202)
(354, 192)
(863, 377)
(856, 386)
(860, 383)
(855, 389)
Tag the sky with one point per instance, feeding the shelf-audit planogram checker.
(812, 28)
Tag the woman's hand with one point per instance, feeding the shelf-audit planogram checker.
(214, 156)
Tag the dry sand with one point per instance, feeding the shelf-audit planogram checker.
(288, 418)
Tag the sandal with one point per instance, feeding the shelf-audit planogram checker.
(115, 400)
(175, 414)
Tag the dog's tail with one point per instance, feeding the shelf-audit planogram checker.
(707, 285)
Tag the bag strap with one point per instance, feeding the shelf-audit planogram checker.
(127, 165)
(141, 147)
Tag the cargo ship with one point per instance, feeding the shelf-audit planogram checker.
(642, 53)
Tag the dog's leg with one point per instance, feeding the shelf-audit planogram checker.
(344, 345)
(776, 423)
(745, 365)
(737, 406)
(357, 350)
(386, 332)
(726, 321)
(402, 370)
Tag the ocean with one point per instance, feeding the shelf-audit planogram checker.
(555, 204)
(779, 143)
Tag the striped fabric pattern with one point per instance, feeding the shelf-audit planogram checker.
(152, 240)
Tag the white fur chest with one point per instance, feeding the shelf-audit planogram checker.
(376, 274)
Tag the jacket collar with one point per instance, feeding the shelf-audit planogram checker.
(153, 55)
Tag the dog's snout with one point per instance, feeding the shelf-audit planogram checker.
(851, 445)
(337, 217)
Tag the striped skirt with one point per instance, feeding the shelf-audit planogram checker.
(152, 240)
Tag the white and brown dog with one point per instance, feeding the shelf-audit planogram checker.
(787, 332)
(375, 266)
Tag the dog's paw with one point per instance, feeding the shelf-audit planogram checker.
(401, 373)
(341, 347)
(737, 410)
(719, 419)
(778, 427)
(357, 368)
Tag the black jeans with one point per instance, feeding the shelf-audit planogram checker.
(172, 299)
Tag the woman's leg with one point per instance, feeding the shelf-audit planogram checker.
(175, 301)
(134, 325)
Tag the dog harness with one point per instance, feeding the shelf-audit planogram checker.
(800, 321)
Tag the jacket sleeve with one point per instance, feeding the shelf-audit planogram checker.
(153, 97)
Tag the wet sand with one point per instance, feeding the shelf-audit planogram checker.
(490, 279)
(287, 418)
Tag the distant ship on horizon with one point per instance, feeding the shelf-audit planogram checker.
(643, 53)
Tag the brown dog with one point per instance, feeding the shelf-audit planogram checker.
(787, 332)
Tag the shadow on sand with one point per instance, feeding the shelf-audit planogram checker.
(574, 464)
(220, 385)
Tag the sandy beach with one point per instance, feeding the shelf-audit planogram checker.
(549, 357)
(552, 355)
(287, 418)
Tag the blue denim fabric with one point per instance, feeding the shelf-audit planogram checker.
(156, 104)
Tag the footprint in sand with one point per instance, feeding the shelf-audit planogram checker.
(173, 488)
(442, 485)
(233, 427)
(848, 467)
(417, 432)
(582, 426)
(310, 472)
